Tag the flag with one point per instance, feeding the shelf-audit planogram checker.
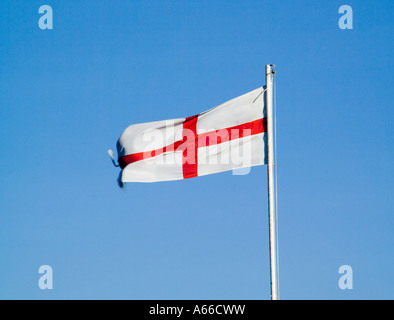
(229, 136)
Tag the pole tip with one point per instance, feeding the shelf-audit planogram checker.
(270, 68)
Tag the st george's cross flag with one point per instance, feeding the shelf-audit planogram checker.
(229, 136)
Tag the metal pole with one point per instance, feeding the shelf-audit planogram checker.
(269, 73)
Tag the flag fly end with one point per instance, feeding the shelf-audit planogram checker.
(111, 154)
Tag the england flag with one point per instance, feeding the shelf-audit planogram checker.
(227, 137)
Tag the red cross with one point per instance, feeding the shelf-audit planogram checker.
(191, 141)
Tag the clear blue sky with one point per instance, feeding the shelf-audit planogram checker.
(67, 94)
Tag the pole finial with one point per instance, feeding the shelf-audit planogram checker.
(270, 69)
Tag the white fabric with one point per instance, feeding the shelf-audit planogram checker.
(242, 109)
(240, 153)
(163, 167)
(149, 136)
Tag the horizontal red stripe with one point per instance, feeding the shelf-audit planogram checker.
(231, 133)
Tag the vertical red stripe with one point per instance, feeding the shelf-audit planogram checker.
(189, 155)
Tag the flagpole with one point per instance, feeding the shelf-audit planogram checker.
(269, 74)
